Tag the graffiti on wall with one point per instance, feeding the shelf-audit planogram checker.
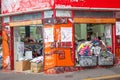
(12, 6)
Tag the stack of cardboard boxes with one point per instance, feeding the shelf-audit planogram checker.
(27, 65)
(36, 67)
(22, 65)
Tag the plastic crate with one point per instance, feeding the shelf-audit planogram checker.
(0, 63)
(87, 61)
(104, 61)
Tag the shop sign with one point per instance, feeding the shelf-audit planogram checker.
(25, 23)
(63, 13)
(60, 20)
(94, 20)
(117, 15)
(48, 21)
(57, 20)
(15, 6)
(87, 4)
(6, 19)
(48, 14)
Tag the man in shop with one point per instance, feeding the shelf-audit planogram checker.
(29, 40)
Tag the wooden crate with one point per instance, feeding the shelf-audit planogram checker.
(36, 67)
(22, 65)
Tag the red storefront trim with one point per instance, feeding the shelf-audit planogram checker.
(11, 48)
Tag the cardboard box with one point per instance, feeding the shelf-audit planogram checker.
(36, 67)
(22, 65)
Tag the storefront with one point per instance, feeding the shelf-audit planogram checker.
(93, 38)
(24, 21)
(57, 33)
(117, 34)
(28, 41)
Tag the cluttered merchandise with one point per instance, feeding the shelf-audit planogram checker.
(30, 57)
(28, 49)
(93, 53)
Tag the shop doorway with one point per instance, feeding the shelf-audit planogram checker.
(28, 47)
(91, 36)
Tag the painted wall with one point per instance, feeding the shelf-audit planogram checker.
(88, 3)
(57, 49)
(15, 6)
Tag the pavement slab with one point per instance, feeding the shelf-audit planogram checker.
(76, 75)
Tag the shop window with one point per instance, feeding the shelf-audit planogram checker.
(94, 14)
(25, 17)
(27, 31)
(93, 44)
(28, 45)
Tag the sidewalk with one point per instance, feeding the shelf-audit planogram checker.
(77, 75)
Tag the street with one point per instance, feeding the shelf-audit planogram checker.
(88, 74)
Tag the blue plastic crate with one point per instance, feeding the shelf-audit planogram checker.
(0, 63)
(105, 61)
(87, 61)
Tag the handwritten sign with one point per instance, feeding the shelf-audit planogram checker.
(66, 34)
(48, 35)
(117, 28)
(20, 47)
